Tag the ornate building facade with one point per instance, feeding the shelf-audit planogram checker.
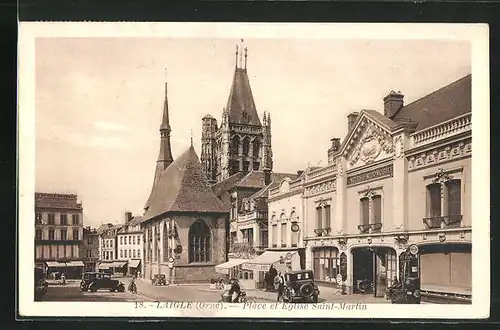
(184, 223)
(242, 142)
(398, 178)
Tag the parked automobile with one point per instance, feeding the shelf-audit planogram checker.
(159, 279)
(41, 284)
(300, 286)
(92, 281)
(407, 289)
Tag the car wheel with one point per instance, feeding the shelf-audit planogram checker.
(111, 290)
(306, 290)
(93, 288)
(121, 288)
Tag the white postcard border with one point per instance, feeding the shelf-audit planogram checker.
(477, 34)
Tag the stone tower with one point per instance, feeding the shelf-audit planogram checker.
(165, 154)
(242, 143)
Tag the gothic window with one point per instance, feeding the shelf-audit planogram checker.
(199, 242)
(165, 243)
(246, 146)
(256, 148)
(235, 145)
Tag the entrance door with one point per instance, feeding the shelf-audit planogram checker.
(363, 266)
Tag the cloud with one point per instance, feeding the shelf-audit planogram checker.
(108, 126)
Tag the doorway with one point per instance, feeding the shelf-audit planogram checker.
(362, 263)
(375, 265)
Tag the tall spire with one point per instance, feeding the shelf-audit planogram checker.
(165, 155)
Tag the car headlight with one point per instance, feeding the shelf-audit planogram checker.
(408, 282)
(416, 293)
(292, 292)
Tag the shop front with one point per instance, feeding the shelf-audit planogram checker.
(74, 269)
(231, 268)
(55, 269)
(281, 260)
(445, 270)
(373, 269)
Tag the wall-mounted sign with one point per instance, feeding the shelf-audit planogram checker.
(413, 249)
(171, 259)
(288, 256)
(295, 228)
(386, 171)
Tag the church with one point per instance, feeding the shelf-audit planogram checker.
(184, 222)
(242, 143)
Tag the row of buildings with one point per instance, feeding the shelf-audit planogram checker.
(64, 245)
(400, 176)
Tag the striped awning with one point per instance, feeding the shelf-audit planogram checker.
(104, 265)
(78, 263)
(134, 263)
(224, 268)
(118, 264)
(55, 264)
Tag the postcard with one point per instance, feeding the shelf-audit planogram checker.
(253, 170)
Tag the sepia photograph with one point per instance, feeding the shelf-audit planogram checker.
(253, 170)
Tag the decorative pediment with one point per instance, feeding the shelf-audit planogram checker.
(368, 144)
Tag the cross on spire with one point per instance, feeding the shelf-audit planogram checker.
(191, 138)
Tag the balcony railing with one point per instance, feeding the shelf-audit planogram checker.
(327, 170)
(321, 232)
(242, 248)
(254, 215)
(439, 222)
(370, 228)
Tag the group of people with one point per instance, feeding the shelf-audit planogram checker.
(275, 281)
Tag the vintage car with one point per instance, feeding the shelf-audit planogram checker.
(300, 286)
(97, 281)
(407, 289)
(40, 284)
(159, 279)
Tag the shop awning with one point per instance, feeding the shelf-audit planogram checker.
(118, 264)
(134, 263)
(224, 268)
(75, 264)
(55, 264)
(104, 266)
(266, 259)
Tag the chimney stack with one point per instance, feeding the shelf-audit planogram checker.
(351, 118)
(267, 176)
(299, 173)
(128, 217)
(392, 103)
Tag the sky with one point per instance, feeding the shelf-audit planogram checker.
(99, 102)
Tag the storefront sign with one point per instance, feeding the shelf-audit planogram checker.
(377, 173)
(343, 266)
(257, 267)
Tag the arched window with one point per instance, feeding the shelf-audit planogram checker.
(246, 146)
(165, 242)
(199, 242)
(235, 145)
(256, 148)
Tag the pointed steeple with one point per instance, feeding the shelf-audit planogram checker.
(241, 105)
(165, 154)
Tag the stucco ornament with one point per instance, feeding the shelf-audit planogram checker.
(398, 147)
(370, 146)
(442, 237)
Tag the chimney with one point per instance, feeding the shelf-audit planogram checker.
(335, 144)
(267, 176)
(351, 118)
(299, 173)
(392, 103)
(128, 217)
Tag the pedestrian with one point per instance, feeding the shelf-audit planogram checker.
(266, 280)
(279, 283)
(272, 274)
(63, 279)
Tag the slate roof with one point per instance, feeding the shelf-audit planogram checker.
(444, 104)
(227, 184)
(183, 187)
(255, 179)
(135, 221)
(240, 104)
